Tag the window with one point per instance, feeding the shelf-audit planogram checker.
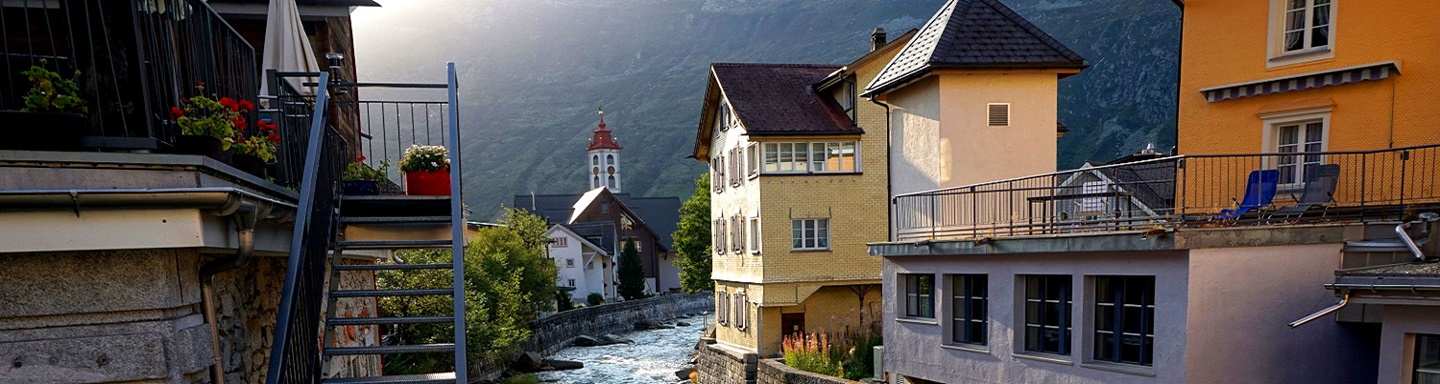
(569, 263)
(1306, 25)
(720, 234)
(969, 309)
(571, 282)
(722, 308)
(823, 157)
(998, 114)
(1047, 314)
(752, 155)
(1093, 202)
(595, 161)
(919, 295)
(559, 242)
(810, 234)
(719, 180)
(741, 307)
(613, 185)
(724, 113)
(715, 240)
(737, 234)
(1299, 137)
(1125, 319)
(1427, 359)
(605, 207)
(754, 228)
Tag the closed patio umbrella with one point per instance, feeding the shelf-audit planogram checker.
(287, 49)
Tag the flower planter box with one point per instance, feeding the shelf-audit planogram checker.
(427, 183)
(42, 131)
(249, 164)
(207, 146)
(362, 187)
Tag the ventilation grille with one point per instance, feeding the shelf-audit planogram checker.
(999, 114)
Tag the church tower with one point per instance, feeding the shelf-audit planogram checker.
(604, 158)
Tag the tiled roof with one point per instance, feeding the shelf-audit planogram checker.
(602, 139)
(772, 99)
(975, 34)
(661, 214)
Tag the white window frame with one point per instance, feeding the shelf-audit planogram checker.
(806, 160)
(741, 307)
(1009, 116)
(752, 156)
(1277, 55)
(815, 230)
(754, 229)
(570, 262)
(1271, 139)
(571, 282)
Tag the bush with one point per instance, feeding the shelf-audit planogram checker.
(522, 379)
(595, 299)
(810, 353)
(847, 354)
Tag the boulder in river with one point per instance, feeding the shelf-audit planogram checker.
(528, 362)
(561, 365)
(682, 324)
(651, 324)
(684, 374)
(586, 341)
(611, 338)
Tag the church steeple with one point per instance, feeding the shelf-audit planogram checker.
(604, 156)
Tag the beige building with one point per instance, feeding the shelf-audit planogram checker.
(798, 172)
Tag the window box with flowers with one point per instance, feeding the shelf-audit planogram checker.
(427, 170)
(254, 153)
(53, 118)
(208, 126)
(361, 179)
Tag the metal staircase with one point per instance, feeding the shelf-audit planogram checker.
(332, 226)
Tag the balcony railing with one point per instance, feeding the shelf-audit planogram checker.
(135, 60)
(1189, 190)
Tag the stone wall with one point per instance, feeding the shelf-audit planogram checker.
(355, 335)
(718, 364)
(774, 371)
(558, 330)
(246, 303)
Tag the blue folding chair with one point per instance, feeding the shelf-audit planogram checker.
(1259, 191)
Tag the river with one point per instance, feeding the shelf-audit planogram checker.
(653, 358)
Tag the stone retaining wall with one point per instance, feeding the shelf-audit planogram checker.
(721, 365)
(774, 371)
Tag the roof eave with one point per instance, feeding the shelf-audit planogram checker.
(855, 131)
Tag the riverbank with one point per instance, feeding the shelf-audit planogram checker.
(653, 358)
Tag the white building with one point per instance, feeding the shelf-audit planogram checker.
(581, 264)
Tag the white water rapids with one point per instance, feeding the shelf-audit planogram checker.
(653, 358)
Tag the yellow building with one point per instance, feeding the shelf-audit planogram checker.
(798, 175)
(1314, 75)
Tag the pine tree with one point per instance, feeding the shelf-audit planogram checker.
(692, 239)
(632, 273)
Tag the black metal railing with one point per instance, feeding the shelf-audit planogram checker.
(384, 128)
(1189, 190)
(295, 355)
(135, 59)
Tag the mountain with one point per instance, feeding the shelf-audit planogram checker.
(533, 72)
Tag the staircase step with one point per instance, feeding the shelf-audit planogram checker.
(394, 205)
(389, 320)
(389, 267)
(393, 244)
(390, 292)
(390, 349)
(395, 219)
(424, 378)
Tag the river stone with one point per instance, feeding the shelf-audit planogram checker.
(561, 365)
(587, 341)
(528, 362)
(682, 324)
(611, 338)
(684, 374)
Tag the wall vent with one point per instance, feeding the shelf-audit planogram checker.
(999, 114)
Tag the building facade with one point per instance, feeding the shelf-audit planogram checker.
(584, 266)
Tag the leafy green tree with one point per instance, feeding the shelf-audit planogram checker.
(632, 273)
(507, 283)
(692, 239)
(529, 226)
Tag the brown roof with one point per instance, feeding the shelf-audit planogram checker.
(602, 139)
(975, 34)
(780, 99)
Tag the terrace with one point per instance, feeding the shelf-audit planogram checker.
(1188, 191)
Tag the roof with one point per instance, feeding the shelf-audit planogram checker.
(1152, 183)
(780, 99)
(602, 138)
(975, 34)
(660, 214)
(583, 240)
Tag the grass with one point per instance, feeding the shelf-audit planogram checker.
(846, 354)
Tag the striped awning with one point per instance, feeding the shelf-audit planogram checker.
(1375, 71)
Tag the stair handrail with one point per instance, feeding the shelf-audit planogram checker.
(457, 225)
(306, 350)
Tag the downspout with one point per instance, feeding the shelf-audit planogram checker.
(244, 214)
(1344, 299)
(1429, 217)
(889, 178)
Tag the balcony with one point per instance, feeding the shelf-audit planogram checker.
(1197, 191)
(131, 61)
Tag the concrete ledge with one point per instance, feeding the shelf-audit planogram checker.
(774, 371)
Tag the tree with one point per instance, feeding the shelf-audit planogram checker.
(692, 239)
(632, 273)
(529, 226)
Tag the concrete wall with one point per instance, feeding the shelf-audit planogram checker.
(557, 331)
(1397, 345)
(915, 137)
(774, 371)
(918, 348)
(722, 364)
(1239, 302)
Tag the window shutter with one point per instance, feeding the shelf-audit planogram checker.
(999, 114)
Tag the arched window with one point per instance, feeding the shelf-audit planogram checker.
(609, 159)
(595, 161)
(596, 182)
(612, 182)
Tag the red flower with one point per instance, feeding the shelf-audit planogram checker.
(267, 126)
(176, 113)
(360, 159)
(239, 123)
(230, 103)
(246, 105)
(274, 138)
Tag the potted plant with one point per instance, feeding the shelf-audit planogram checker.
(53, 116)
(361, 179)
(427, 170)
(208, 126)
(253, 153)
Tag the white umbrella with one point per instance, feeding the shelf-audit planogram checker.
(287, 49)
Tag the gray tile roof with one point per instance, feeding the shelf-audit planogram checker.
(781, 98)
(975, 34)
(661, 214)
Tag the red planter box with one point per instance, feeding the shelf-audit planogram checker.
(430, 183)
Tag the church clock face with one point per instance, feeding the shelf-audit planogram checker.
(595, 170)
(611, 170)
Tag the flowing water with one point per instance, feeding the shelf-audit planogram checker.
(653, 358)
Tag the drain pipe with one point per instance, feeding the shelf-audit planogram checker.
(1344, 299)
(1428, 217)
(245, 215)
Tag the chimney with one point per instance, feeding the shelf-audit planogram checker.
(877, 39)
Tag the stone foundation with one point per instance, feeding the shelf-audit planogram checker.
(774, 371)
(718, 364)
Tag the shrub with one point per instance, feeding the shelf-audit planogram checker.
(847, 354)
(595, 299)
(522, 379)
(811, 353)
(359, 171)
(51, 93)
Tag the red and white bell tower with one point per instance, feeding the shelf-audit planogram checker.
(604, 154)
